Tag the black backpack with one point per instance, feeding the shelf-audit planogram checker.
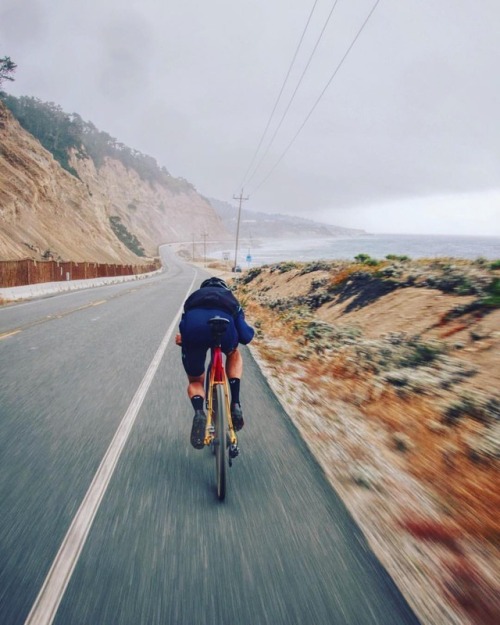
(213, 297)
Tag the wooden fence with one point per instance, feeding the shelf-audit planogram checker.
(28, 271)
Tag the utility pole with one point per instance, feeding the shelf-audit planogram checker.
(241, 199)
(192, 234)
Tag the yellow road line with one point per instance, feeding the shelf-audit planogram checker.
(6, 334)
(52, 317)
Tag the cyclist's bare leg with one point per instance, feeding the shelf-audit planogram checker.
(234, 364)
(196, 385)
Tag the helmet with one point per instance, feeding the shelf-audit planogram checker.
(213, 281)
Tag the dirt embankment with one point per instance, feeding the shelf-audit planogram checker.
(391, 372)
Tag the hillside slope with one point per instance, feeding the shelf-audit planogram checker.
(391, 373)
(44, 208)
(258, 225)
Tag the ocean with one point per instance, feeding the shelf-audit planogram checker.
(376, 245)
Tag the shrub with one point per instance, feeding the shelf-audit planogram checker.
(127, 238)
(362, 258)
(492, 299)
(366, 259)
(286, 266)
(317, 265)
(318, 283)
(481, 261)
(452, 282)
(251, 275)
(482, 409)
(401, 258)
(421, 353)
(495, 264)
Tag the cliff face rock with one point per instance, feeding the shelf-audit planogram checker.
(151, 211)
(43, 207)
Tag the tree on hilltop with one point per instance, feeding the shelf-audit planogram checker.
(7, 67)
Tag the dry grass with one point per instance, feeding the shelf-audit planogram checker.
(468, 489)
(475, 593)
(405, 429)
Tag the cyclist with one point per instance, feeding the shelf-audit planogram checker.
(213, 298)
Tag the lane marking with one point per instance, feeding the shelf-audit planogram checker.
(52, 317)
(46, 604)
(6, 334)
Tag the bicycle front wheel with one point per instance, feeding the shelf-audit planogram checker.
(220, 441)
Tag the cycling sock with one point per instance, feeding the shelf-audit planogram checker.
(234, 385)
(197, 402)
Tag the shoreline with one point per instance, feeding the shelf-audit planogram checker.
(264, 251)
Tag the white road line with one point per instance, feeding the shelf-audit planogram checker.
(46, 604)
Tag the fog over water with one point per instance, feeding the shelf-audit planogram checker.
(252, 253)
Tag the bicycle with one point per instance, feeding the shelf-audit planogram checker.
(220, 434)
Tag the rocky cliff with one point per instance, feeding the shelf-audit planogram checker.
(44, 210)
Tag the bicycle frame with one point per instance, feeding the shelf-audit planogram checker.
(217, 376)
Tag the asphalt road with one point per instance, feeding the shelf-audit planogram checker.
(161, 549)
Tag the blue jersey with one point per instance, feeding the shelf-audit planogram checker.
(196, 332)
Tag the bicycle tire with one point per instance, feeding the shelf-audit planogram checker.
(220, 418)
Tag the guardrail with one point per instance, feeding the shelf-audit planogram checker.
(29, 271)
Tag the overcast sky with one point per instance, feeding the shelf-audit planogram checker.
(406, 137)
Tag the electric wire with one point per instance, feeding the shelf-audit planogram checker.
(264, 180)
(279, 95)
(292, 97)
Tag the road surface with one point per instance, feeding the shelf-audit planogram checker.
(109, 516)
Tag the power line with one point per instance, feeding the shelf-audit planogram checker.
(294, 93)
(318, 99)
(280, 94)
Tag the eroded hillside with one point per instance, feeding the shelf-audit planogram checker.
(44, 209)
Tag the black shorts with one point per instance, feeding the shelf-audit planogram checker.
(197, 339)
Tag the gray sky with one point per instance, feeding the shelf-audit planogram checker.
(406, 138)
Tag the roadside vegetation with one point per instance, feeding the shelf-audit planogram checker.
(126, 237)
(392, 368)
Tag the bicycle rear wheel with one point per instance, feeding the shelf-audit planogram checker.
(220, 418)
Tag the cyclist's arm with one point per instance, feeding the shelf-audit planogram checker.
(245, 332)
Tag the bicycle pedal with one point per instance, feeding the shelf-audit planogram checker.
(234, 451)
